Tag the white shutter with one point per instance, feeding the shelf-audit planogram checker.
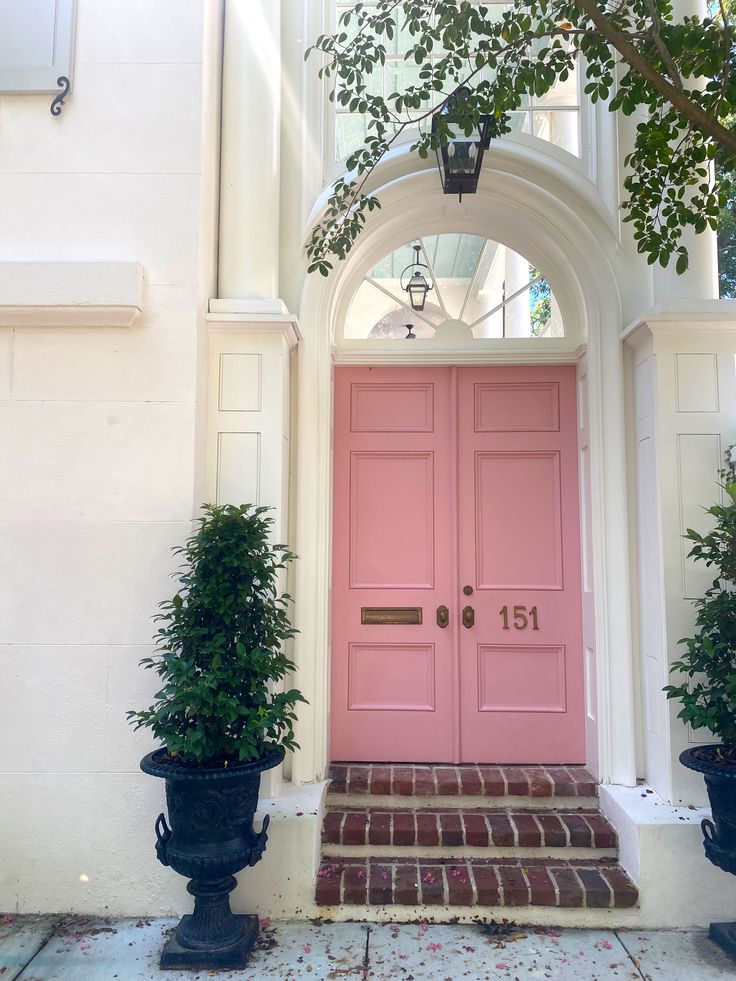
(36, 44)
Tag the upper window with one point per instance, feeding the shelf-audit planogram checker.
(483, 284)
(554, 118)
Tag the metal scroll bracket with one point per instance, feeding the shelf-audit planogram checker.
(58, 101)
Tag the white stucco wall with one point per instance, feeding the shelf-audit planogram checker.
(98, 437)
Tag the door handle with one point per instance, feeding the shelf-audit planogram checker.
(468, 617)
(443, 616)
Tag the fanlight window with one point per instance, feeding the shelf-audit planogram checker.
(555, 117)
(483, 284)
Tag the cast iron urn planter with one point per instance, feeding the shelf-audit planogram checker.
(211, 837)
(719, 835)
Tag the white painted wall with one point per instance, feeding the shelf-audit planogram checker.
(98, 435)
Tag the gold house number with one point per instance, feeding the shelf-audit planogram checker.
(521, 615)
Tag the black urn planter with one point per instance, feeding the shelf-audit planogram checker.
(211, 837)
(719, 835)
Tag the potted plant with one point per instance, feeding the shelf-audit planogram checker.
(708, 690)
(222, 722)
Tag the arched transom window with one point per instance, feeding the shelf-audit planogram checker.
(475, 281)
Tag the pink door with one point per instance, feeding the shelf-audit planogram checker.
(456, 489)
(521, 665)
(393, 695)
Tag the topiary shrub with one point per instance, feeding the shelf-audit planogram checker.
(219, 649)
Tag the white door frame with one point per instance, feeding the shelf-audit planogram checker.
(577, 258)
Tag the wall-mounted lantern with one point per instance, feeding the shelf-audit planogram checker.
(417, 285)
(461, 159)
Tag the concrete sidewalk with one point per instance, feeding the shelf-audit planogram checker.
(47, 948)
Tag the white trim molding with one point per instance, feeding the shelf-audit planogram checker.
(70, 294)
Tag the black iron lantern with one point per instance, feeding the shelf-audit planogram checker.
(417, 285)
(460, 160)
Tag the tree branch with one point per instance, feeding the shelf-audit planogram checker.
(690, 110)
(662, 47)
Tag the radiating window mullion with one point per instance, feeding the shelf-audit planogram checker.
(397, 299)
(505, 302)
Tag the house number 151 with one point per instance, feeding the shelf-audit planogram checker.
(522, 616)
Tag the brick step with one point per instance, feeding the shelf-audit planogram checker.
(460, 832)
(504, 883)
(388, 785)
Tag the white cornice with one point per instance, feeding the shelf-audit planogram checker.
(683, 316)
(254, 317)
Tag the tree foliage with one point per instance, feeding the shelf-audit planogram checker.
(708, 690)
(677, 78)
(219, 650)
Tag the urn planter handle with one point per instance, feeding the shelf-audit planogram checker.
(163, 834)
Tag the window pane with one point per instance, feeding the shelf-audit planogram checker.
(350, 132)
(373, 314)
(562, 93)
(560, 127)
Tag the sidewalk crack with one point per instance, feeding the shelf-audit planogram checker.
(631, 957)
(366, 956)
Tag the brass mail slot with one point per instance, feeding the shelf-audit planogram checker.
(391, 614)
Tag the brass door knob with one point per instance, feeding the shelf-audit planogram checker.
(468, 617)
(443, 616)
(468, 590)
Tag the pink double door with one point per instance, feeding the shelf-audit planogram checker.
(456, 613)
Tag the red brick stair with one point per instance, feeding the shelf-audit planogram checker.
(403, 780)
(468, 836)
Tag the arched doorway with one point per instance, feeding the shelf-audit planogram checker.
(575, 261)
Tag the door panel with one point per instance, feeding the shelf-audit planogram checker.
(402, 531)
(521, 662)
(444, 478)
(393, 692)
(518, 520)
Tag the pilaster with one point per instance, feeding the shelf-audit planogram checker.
(681, 365)
(248, 417)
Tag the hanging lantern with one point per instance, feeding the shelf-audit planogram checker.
(417, 285)
(461, 159)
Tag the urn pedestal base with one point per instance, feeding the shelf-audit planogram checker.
(233, 957)
(724, 934)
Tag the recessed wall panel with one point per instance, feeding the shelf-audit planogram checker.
(392, 520)
(697, 382)
(391, 677)
(517, 407)
(392, 408)
(521, 679)
(518, 520)
(238, 468)
(240, 383)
